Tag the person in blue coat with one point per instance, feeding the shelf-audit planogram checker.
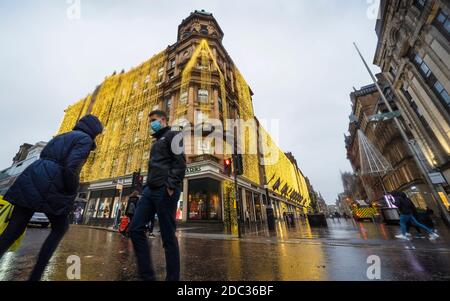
(50, 185)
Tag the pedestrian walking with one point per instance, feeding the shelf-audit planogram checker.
(407, 210)
(117, 219)
(130, 209)
(77, 215)
(167, 167)
(338, 216)
(50, 185)
(425, 218)
(133, 200)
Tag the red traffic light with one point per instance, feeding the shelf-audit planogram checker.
(227, 167)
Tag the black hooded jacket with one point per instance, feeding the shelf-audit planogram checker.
(165, 167)
(404, 204)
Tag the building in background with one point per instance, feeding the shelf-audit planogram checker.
(353, 190)
(321, 204)
(413, 53)
(194, 80)
(344, 204)
(353, 186)
(331, 210)
(386, 138)
(26, 155)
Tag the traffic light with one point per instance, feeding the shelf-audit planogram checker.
(227, 167)
(135, 182)
(238, 165)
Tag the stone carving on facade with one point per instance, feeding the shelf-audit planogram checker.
(196, 27)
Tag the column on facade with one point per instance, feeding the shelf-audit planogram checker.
(185, 200)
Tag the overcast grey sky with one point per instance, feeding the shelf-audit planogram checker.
(296, 55)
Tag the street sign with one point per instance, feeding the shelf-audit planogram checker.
(437, 178)
(384, 116)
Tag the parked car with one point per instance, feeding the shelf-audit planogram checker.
(39, 219)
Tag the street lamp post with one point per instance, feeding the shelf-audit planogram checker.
(238, 201)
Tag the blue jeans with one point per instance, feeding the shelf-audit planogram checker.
(405, 219)
(156, 201)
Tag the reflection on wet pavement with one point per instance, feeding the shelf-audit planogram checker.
(208, 253)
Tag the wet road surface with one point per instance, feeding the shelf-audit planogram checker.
(301, 253)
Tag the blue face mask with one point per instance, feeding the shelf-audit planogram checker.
(156, 126)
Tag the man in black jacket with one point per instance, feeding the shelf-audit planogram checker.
(166, 171)
(407, 211)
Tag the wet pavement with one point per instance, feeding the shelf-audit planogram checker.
(207, 253)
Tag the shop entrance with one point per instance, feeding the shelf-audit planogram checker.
(204, 200)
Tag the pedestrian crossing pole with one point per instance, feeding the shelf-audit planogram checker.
(434, 190)
(120, 188)
(238, 201)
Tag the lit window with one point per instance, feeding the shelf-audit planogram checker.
(203, 96)
(168, 104)
(201, 116)
(161, 71)
(183, 97)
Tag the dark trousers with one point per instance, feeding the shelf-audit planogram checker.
(156, 201)
(151, 226)
(18, 223)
